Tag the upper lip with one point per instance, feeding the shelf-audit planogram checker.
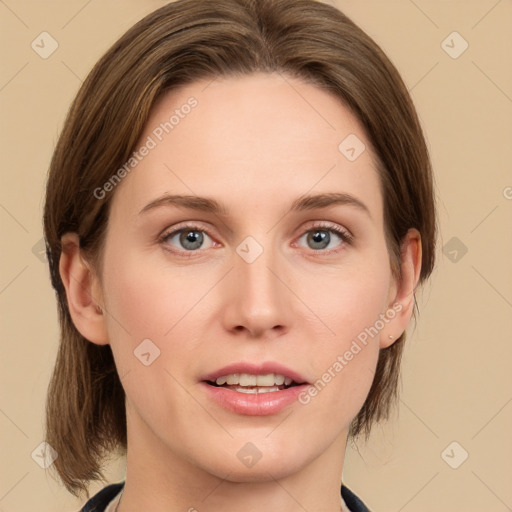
(255, 369)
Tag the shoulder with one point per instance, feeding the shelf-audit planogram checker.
(352, 501)
(99, 501)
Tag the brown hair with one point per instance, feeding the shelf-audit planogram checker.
(177, 44)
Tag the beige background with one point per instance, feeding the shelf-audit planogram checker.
(457, 383)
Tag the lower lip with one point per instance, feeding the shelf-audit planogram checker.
(258, 404)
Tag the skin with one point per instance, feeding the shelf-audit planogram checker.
(254, 144)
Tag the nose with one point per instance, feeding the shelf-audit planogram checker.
(257, 300)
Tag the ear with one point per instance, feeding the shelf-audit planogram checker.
(83, 291)
(401, 299)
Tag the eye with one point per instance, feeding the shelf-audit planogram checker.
(189, 239)
(320, 237)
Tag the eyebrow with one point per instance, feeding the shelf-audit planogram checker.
(303, 203)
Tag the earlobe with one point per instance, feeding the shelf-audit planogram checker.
(82, 291)
(402, 301)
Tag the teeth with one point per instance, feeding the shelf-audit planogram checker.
(279, 380)
(246, 379)
(221, 380)
(265, 380)
(232, 379)
(256, 390)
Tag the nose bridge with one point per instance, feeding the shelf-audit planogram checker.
(253, 268)
(259, 296)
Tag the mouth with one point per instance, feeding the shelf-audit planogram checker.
(254, 384)
(254, 389)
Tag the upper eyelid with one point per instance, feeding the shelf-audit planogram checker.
(198, 225)
(190, 226)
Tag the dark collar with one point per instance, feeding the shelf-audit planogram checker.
(100, 500)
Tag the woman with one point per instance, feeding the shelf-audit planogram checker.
(239, 211)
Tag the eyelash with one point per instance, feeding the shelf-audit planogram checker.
(344, 235)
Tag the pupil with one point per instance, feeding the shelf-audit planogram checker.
(320, 237)
(191, 237)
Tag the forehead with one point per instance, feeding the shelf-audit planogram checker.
(263, 138)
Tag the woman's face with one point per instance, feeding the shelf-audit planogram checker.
(265, 280)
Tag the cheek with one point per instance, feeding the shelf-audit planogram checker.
(147, 311)
(348, 300)
(142, 306)
(147, 299)
(345, 359)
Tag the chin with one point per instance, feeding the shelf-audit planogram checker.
(265, 469)
(258, 473)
